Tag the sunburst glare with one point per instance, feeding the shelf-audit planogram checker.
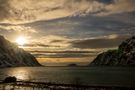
(21, 40)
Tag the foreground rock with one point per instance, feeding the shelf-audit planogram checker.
(123, 56)
(12, 56)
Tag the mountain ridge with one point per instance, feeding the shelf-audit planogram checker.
(123, 56)
(12, 56)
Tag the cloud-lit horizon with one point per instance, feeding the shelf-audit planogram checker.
(58, 30)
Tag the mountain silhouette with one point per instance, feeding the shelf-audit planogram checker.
(12, 56)
(123, 56)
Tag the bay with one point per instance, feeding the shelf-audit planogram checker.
(118, 76)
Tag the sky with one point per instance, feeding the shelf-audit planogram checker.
(60, 32)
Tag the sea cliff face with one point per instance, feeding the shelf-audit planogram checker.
(123, 56)
(12, 56)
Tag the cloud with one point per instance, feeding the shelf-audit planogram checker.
(60, 55)
(110, 41)
(65, 51)
(83, 7)
(12, 32)
(4, 9)
(17, 11)
(36, 45)
(63, 54)
(18, 28)
(83, 27)
(92, 43)
(50, 41)
(120, 6)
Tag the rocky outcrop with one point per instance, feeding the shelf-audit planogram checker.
(123, 56)
(12, 56)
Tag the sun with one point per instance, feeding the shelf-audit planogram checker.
(21, 40)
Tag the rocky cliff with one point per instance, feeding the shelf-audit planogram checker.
(12, 56)
(123, 56)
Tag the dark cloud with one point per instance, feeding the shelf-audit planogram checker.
(63, 55)
(87, 26)
(41, 45)
(36, 44)
(106, 1)
(99, 42)
(63, 51)
(57, 41)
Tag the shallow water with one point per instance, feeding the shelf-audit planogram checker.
(83, 75)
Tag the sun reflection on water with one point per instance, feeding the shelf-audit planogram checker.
(20, 74)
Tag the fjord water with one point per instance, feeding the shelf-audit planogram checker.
(119, 76)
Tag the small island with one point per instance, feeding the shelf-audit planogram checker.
(72, 65)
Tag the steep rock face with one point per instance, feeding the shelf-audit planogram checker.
(12, 56)
(123, 56)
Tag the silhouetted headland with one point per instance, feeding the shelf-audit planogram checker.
(123, 56)
(12, 56)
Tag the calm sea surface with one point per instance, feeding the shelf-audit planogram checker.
(83, 75)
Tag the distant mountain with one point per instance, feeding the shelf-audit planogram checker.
(12, 56)
(123, 56)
